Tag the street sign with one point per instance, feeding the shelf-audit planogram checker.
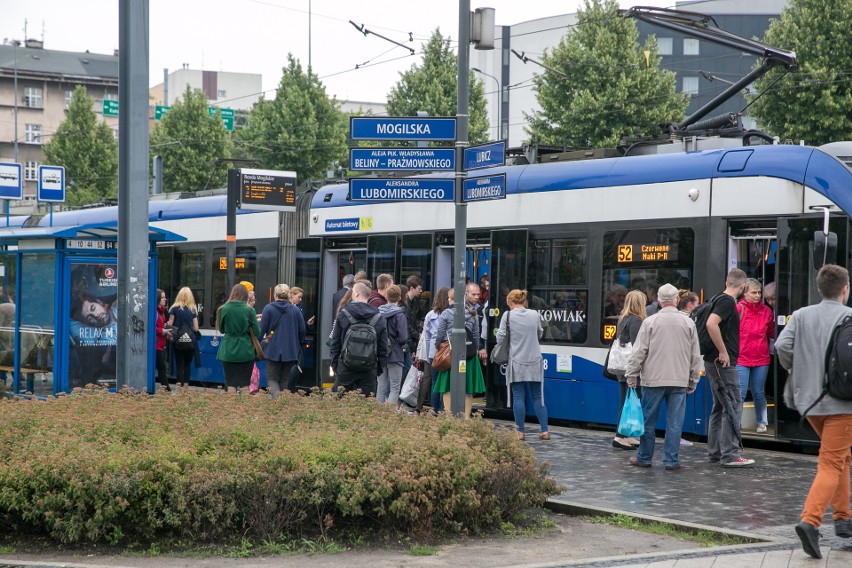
(485, 156)
(485, 188)
(51, 184)
(401, 128)
(267, 190)
(159, 111)
(11, 181)
(227, 116)
(110, 108)
(404, 189)
(410, 159)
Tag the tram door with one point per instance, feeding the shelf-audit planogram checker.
(796, 288)
(508, 272)
(752, 248)
(308, 276)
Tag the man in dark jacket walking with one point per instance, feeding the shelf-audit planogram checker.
(361, 312)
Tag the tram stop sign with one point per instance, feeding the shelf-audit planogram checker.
(267, 190)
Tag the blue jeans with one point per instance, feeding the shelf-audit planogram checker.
(757, 377)
(519, 404)
(652, 398)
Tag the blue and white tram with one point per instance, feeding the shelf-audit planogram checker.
(578, 235)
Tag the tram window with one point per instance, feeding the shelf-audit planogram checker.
(381, 256)
(416, 259)
(557, 277)
(189, 271)
(644, 260)
(245, 268)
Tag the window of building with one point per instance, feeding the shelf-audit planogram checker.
(110, 96)
(689, 85)
(33, 97)
(31, 171)
(557, 274)
(665, 45)
(644, 260)
(220, 94)
(33, 134)
(690, 46)
(68, 96)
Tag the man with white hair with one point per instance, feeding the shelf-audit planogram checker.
(667, 356)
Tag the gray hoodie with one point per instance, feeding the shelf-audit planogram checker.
(397, 331)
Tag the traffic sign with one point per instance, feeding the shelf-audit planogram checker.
(267, 190)
(404, 189)
(11, 181)
(110, 108)
(485, 188)
(401, 128)
(410, 159)
(160, 110)
(227, 116)
(51, 184)
(485, 155)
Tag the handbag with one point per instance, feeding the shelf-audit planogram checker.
(500, 353)
(632, 422)
(443, 357)
(619, 355)
(258, 350)
(254, 383)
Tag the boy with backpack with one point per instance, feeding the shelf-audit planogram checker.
(802, 348)
(359, 344)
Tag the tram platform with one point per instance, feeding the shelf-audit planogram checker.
(760, 503)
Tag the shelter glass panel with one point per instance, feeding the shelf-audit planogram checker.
(8, 280)
(36, 301)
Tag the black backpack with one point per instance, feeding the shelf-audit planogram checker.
(360, 344)
(699, 317)
(185, 337)
(837, 380)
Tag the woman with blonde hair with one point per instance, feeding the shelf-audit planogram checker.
(282, 328)
(524, 369)
(629, 322)
(184, 313)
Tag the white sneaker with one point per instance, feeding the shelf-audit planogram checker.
(761, 429)
(685, 442)
(739, 462)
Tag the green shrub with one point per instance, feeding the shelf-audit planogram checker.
(100, 467)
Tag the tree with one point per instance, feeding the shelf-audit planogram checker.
(599, 85)
(814, 103)
(87, 149)
(301, 129)
(190, 140)
(433, 87)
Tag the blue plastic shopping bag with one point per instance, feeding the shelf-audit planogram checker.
(632, 423)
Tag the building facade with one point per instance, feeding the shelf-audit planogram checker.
(703, 69)
(31, 113)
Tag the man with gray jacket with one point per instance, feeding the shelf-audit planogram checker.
(801, 349)
(667, 355)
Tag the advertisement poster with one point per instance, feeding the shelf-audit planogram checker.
(94, 325)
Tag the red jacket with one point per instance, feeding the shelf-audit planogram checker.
(757, 327)
(161, 323)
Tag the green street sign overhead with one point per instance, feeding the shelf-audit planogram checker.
(159, 111)
(227, 116)
(110, 108)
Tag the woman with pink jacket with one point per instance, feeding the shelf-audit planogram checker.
(757, 327)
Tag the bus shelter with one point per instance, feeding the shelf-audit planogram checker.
(59, 307)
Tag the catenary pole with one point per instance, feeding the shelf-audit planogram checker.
(134, 316)
(457, 376)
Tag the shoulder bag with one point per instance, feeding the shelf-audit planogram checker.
(258, 350)
(443, 357)
(619, 354)
(500, 353)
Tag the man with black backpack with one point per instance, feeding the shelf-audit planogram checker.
(720, 364)
(359, 343)
(802, 348)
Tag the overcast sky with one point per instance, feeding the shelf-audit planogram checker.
(254, 36)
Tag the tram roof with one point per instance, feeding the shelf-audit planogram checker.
(801, 164)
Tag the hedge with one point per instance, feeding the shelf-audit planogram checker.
(101, 467)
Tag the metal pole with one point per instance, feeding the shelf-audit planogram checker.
(457, 376)
(165, 86)
(231, 226)
(134, 316)
(15, 43)
(499, 92)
